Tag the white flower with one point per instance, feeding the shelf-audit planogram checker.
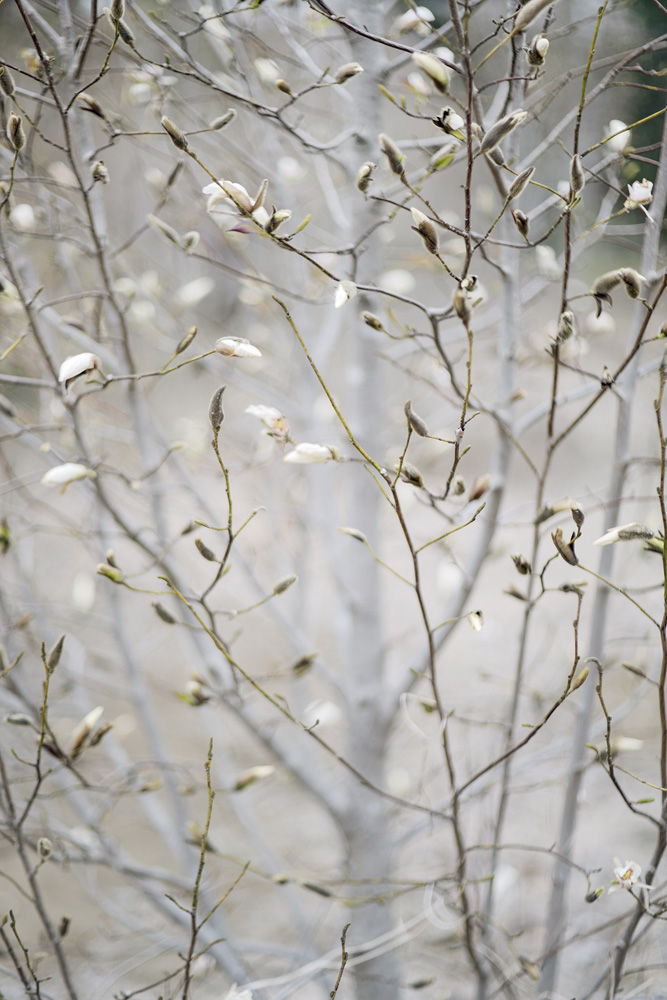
(413, 20)
(475, 619)
(63, 475)
(639, 193)
(307, 454)
(626, 533)
(267, 414)
(194, 291)
(547, 263)
(627, 876)
(75, 365)
(237, 347)
(226, 199)
(236, 994)
(23, 217)
(619, 141)
(345, 291)
(434, 68)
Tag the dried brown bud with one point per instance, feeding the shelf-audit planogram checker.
(565, 549)
(520, 183)
(216, 413)
(204, 550)
(303, 664)
(15, 132)
(174, 133)
(521, 221)
(577, 514)
(99, 172)
(414, 421)
(522, 565)
(393, 154)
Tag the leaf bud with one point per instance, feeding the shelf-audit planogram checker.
(110, 573)
(53, 659)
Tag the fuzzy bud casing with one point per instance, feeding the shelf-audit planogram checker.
(393, 154)
(174, 133)
(15, 132)
(216, 413)
(520, 183)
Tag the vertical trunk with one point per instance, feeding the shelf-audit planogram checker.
(366, 823)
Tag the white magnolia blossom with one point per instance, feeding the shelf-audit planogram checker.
(627, 876)
(77, 364)
(237, 994)
(224, 199)
(63, 475)
(237, 347)
(267, 414)
(626, 533)
(413, 20)
(619, 141)
(307, 454)
(345, 291)
(194, 291)
(639, 193)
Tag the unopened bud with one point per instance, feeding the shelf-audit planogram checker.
(414, 421)
(577, 177)
(162, 613)
(565, 327)
(393, 154)
(44, 848)
(355, 533)
(164, 228)
(15, 132)
(461, 303)
(521, 221)
(577, 514)
(365, 175)
(190, 240)
(205, 551)
(110, 573)
(529, 12)
(174, 133)
(347, 71)
(579, 679)
(480, 486)
(434, 69)
(277, 217)
(537, 52)
(501, 130)
(215, 411)
(18, 719)
(565, 549)
(187, 340)
(6, 81)
(426, 230)
(285, 583)
(117, 9)
(590, 897)
(370, 319)
(632, 281)
(223, 120)
(410, 474)
(53, 659)
(89, 103)
(284, 86)
(458, 486)
(520, 183)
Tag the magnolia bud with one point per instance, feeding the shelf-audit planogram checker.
(520, 183)
(521, 221)
(365, 175)
(174, 133)
(15, 132)
(393, 154)
(577, 177)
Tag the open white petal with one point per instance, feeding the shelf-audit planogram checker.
(76, 365)
(61, 475)
(307, 454)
